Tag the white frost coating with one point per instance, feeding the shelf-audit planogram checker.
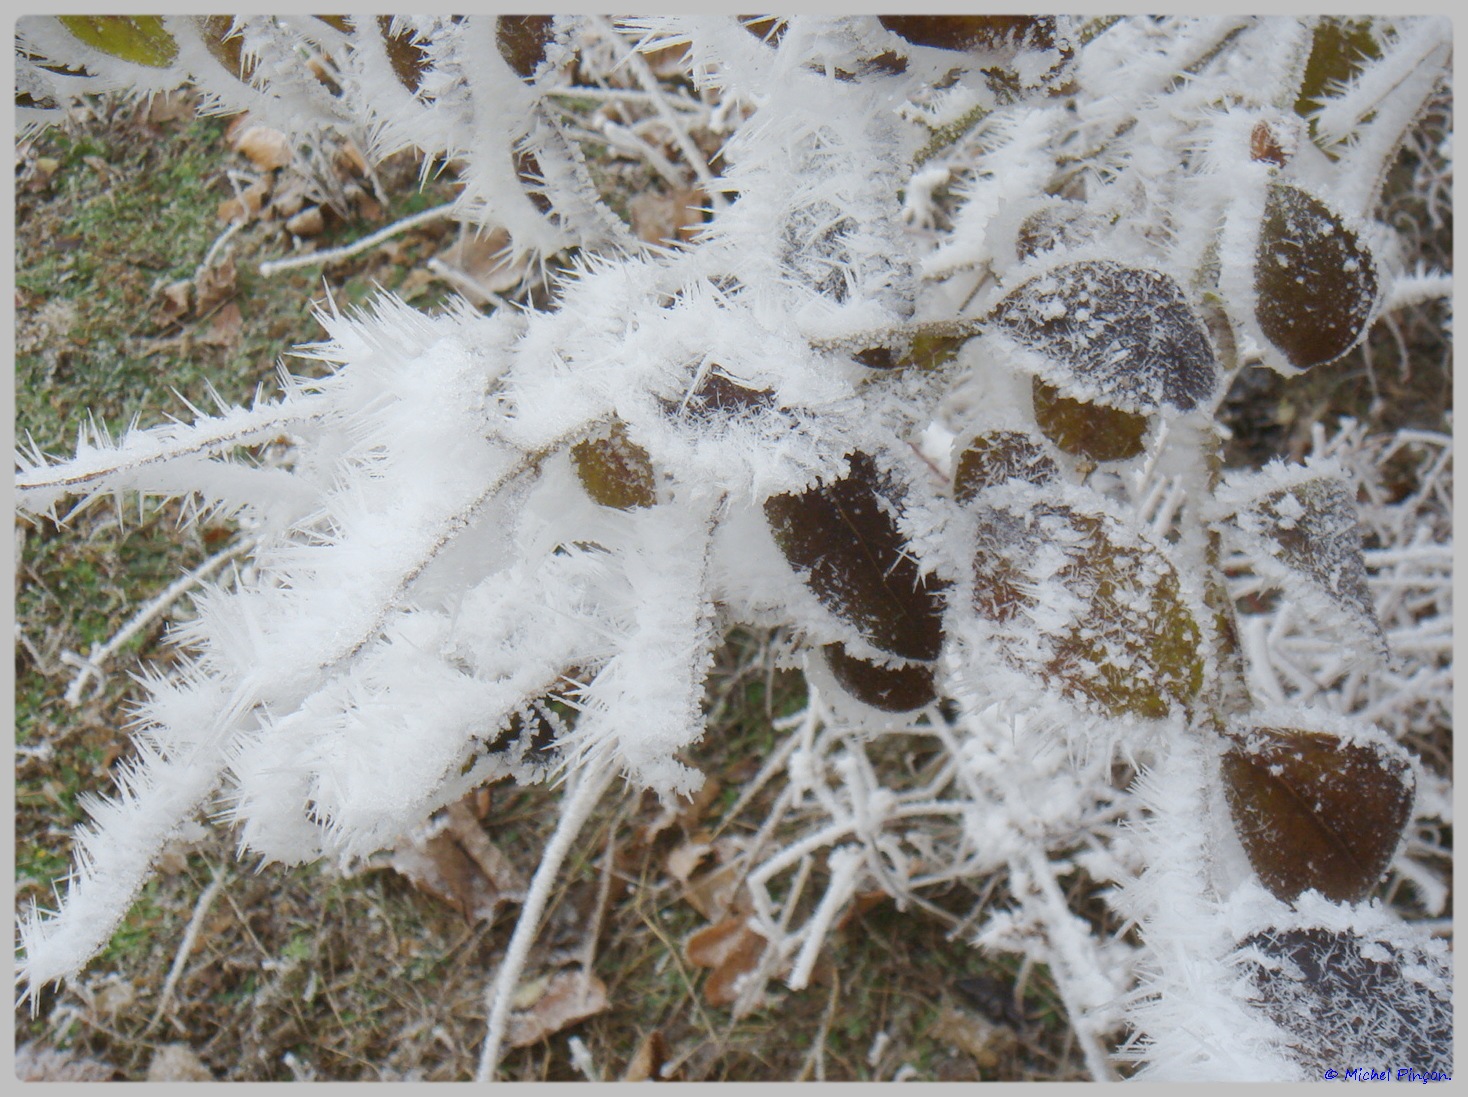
(435, 589)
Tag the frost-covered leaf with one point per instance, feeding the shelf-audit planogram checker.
(973, 32)
(140, 39)
(1082, 603)
(522, 40)
(409, 60)
(1093, 431)
(889, 688)
(1299, 524)
(1339, 49)
(1355, 1001)
(1000, 455)
(1120, 335)
(568, 998)
(614, 470)
(1315, 810)
(1315, 281)
(843, 536)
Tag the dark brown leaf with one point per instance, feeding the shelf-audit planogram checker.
(998, 456)
(891, 689)
(844, 539)
(1315, 280)
(1313, 811)
(1118, 335)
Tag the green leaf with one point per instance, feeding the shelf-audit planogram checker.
(1081, 604)
(1089, 430)
(615, 471)
(140, 39)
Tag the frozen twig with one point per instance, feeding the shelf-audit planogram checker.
(367, 243)
(92, 665)
(576, 808)
(186, 946)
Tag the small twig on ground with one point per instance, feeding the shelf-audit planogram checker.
(457, 277)
(91, 665)
(332, 255)
(816, 1057)
(186, 946)
(649, 81)
(576, 808)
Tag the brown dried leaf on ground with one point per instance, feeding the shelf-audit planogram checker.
(35, 1063)
(216, 284)
(732, 950)
(647, 1065)
(569, 997)
(245, 206)
(484, 263)
(225, 327)
(977, 1037)
(174, 301)
(667, 218)
(266, 148)
(460, 866)
(178, 1063)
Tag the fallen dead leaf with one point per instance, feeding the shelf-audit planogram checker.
(685, 859)
(34, 1063)
(308, 222)
(714, 892)
(461, 867)
(266, 148)
(570, 997)
(732, 950)
(225, 327)
(647, 1065)
(667, 218)
(246, 205)
(216, 284)
(178, 1063)
(975, 1036)
(174, 301)
(483, 260)
(859, 906)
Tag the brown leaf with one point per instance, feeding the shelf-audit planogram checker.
(174, 300)
(216, 284)
(497, 868)
(732, 950)
(685, 859)
(225, 327)
(266, 148)
(667, 218)
(976, 1036)
(245, 206)
(308, 222)
(570, 997)
(178, 1063)
(1316, 812)
(647, 1065)
(483, 259)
